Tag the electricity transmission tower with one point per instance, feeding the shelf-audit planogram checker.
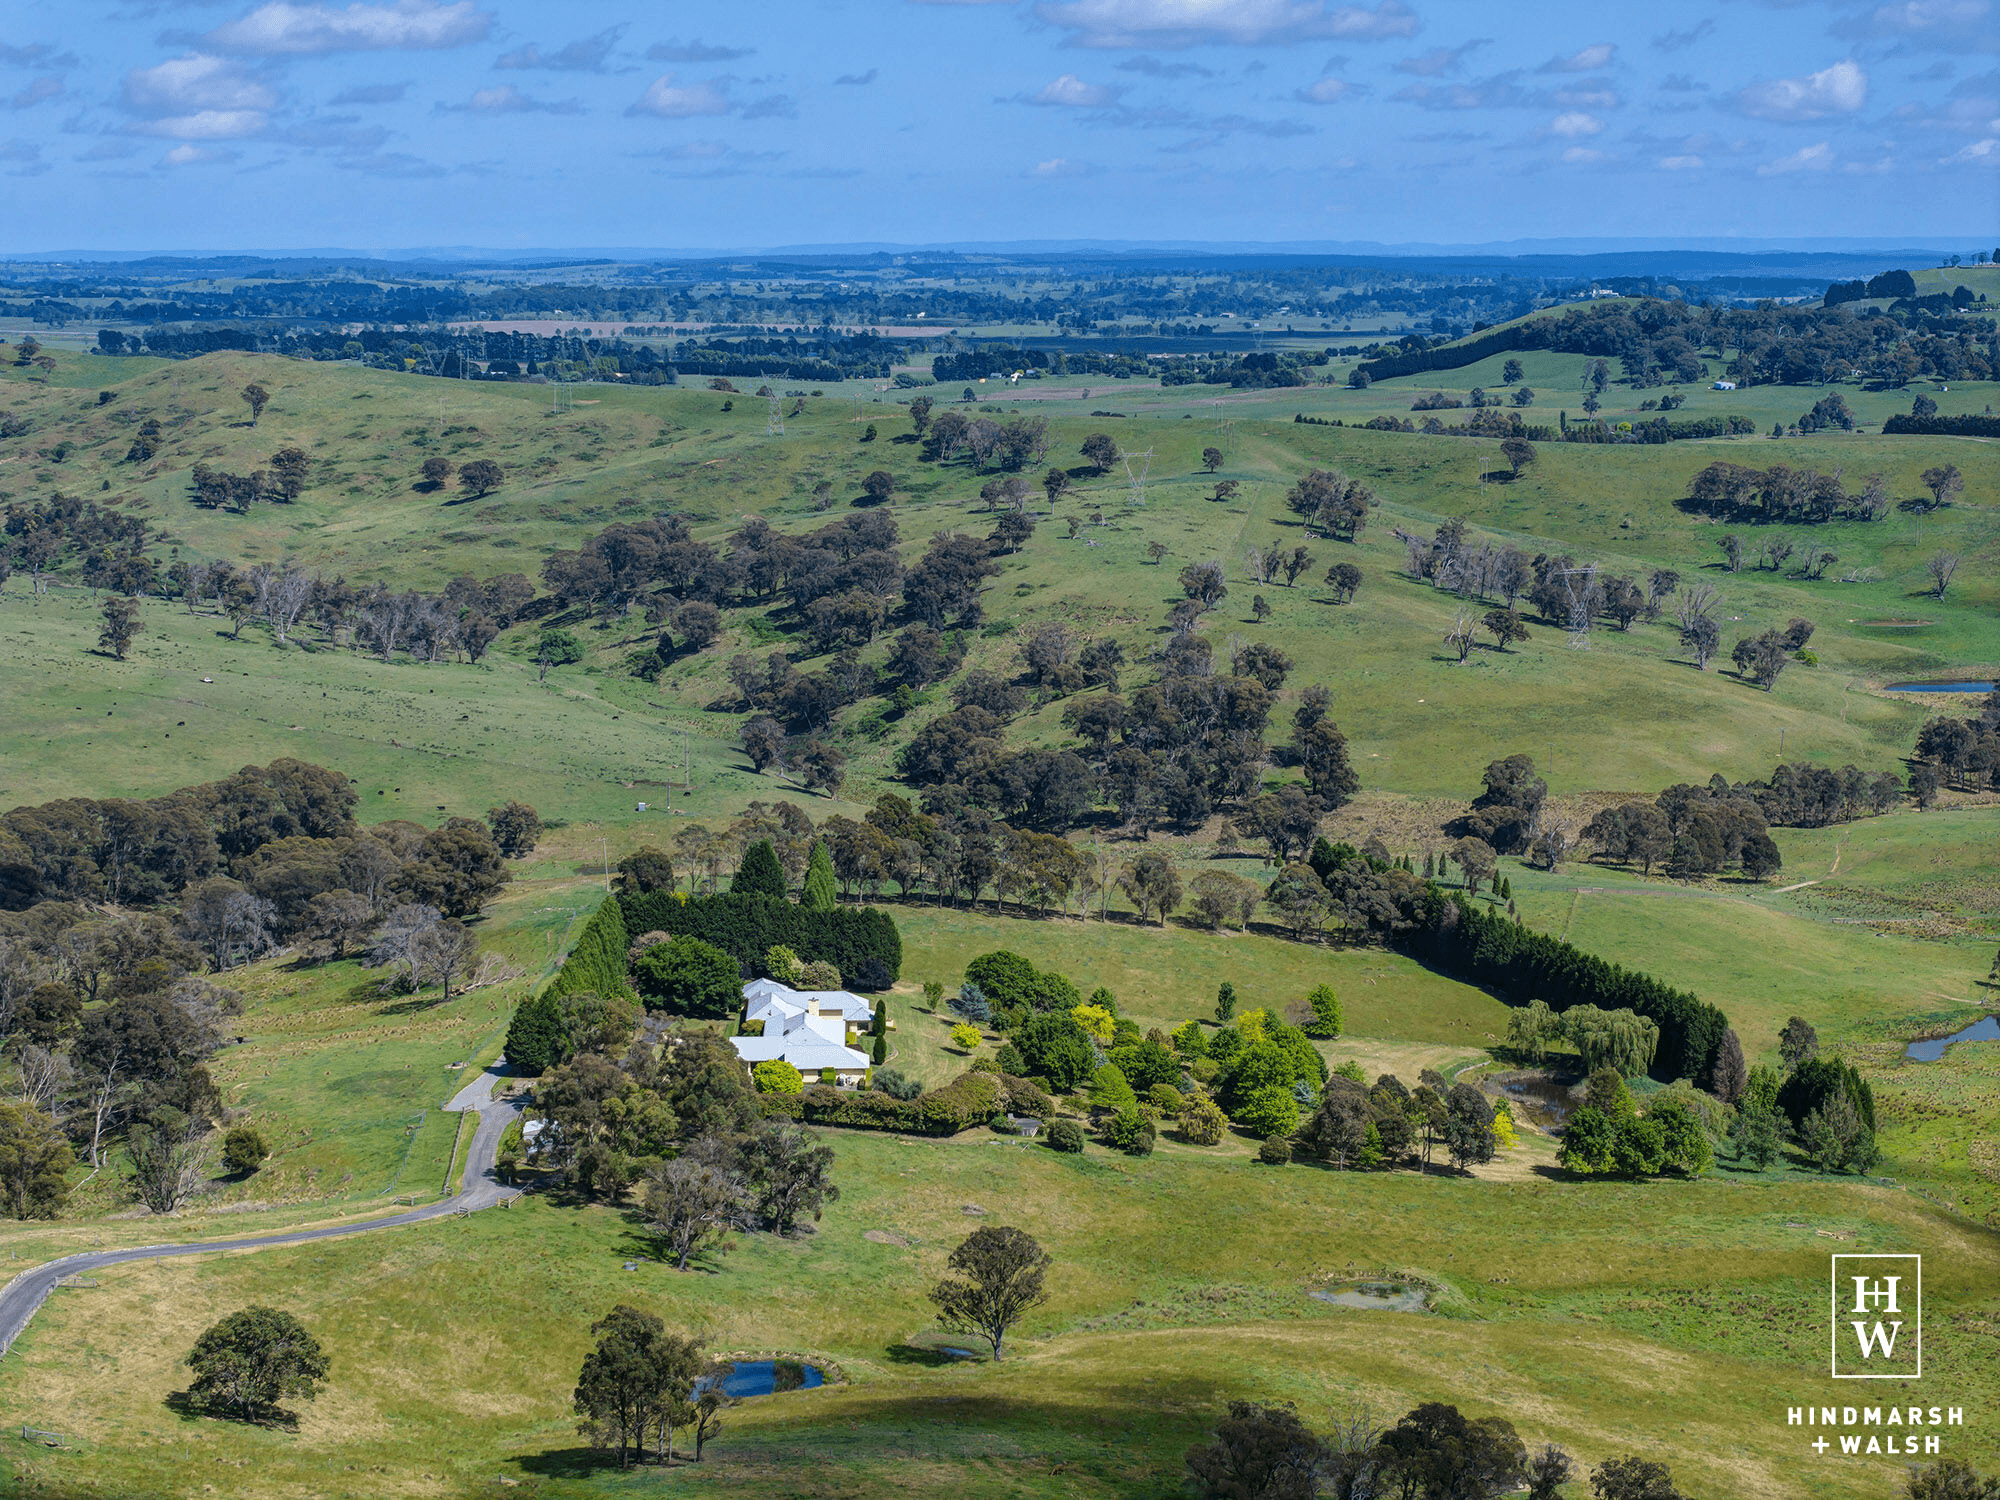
(774, 424)
(1137, 478)
(1581, 586)
(561, 396)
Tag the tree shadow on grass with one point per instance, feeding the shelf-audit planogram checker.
(185, 1406)
(927, 1358)
(565, 1463)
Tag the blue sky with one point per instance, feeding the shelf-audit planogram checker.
(510, 123)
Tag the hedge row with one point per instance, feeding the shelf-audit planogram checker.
(538, 1036)
(969, 1100)
(1456, 356)
(1488, 949)
(1967, 426)
(596, 965)
(748, 927)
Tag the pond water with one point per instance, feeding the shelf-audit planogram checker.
(1542, 1100)
(1963, 685)
(1986, 1029)
(1377, 1296)
(761, 1377)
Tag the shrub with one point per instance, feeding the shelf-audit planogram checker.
(1325, 1007)
(829, 1078)
(1271, 1110)
(689, 976)
(966, 1037)
(1008, 1059)
(1275, 1152)
(1096, 1022)
(872, 976)
(970, 1004)
(1109, 1089)
(891, 1082)
(1165, 1098)
(1190, 1040)
(784, 965)
(1129, 1131)
(776, 1076)
(243, 1151)
(1055, 1047)
(1005, 979)
(1202, 1124)
(1064, 1135)
(819, 975)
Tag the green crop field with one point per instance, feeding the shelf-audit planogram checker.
(1676, 1319)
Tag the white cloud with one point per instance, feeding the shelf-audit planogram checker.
(206, 125)
(1071, 91)
(197, 98)
(1919, 18)
(1814, 158)
(195, 81)
(1583, 156)
(1838, 90)
(1682, 163)
(508, 100)
(1326, 91)
(1062, 166)
(1183, 23)
(281, 28)
(189, 156)
(1984, 153)
(1575, 124)
(670, 101)
(1589, 60)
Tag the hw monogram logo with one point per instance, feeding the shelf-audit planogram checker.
(1878, 1317)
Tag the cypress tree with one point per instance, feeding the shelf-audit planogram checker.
(880, 1054)
(761, 874)
(1225, 1002)
(821, 894)
(880, 1027)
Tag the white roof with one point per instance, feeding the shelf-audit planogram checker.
(761, 995)
(796, 1030)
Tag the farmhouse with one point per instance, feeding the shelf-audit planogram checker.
(1723, 385)
(806, 1028)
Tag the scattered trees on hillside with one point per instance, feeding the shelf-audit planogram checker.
(1001, 1276)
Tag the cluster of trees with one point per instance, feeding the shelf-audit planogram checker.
(673, 1114)
(1781, 493)
(1698, 830)
(1607, 1135)
(1963, 753)
(1554, 587)
(1819, 1104)
(1656, 340)
(109, 548)
(216, 489)
(641, 1382)
(106, 1007)
(1434, 1452)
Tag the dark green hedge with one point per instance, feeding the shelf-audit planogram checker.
(597, 963)
(1965, 426)
(748, 927)
(969, 1100)
(1488, 949)
(537, 1038)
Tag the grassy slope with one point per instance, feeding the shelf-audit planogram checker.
(1676, 1320)
(1624, 716)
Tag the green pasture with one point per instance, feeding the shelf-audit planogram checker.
(1676, 1320)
